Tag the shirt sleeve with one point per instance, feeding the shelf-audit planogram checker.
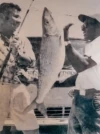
(93, 50)
(29, 54)
(27, 49)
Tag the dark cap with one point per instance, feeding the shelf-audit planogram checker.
(83, 17)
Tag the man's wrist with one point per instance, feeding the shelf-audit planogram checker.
(38, 101)
(67, 43)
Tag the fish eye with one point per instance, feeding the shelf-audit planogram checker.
(47, 22)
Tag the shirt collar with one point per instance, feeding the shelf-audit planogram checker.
(5, 39)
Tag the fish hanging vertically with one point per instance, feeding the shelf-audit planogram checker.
(52, 55)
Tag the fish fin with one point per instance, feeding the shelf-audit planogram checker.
(59, 74)
(60, 42)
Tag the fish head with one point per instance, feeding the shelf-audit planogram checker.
(48, 24)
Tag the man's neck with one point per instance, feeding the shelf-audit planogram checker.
(6, 34)
(90, 40)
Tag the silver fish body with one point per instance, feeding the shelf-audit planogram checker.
(52, 56)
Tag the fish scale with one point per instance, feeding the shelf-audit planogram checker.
(52, 56)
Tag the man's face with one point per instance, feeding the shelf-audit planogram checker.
(89, 29)
(12, 22)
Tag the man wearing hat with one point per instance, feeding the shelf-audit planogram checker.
(85, 112)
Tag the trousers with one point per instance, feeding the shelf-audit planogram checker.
(84, 117)
(14, 98)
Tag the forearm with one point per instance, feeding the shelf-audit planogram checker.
(78, 61)
(69, 82)
(32, 73)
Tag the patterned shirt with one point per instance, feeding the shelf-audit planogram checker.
(21, 59)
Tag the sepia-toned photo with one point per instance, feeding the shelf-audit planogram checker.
(49, 67)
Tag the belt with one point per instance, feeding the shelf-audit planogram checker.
(8, 81)
(89, 93)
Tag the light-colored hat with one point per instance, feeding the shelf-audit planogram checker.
(83, 17)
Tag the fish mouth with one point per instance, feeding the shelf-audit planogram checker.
(46, 12)
(46, 19)
(48, 23)
(46, 9)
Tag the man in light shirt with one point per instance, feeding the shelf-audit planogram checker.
(84, 116)
(17, 88)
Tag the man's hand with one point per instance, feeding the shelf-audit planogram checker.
(4, 50)
(18, 48)
(66, 31)
(71, 93)
(42, 109)
(22, 72)
(14, 44)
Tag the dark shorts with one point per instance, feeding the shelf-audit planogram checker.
(84, 116)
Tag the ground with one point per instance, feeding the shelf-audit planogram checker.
(43, 130)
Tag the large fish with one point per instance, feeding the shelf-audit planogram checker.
(52, 55)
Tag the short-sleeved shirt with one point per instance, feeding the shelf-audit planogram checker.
(25, 48)
(90, 78)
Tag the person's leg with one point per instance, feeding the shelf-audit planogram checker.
(5, 94)
(96, 107)
(13, 130)
(36, 131)
(73, 124)
(2, 132)
(86, 115)
(6, 130)
(20, 99)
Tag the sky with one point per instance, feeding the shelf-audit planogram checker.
(61, 9)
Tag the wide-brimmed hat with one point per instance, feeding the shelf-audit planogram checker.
(83, 17)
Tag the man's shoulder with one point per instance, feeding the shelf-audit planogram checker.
(96, 41)
(25, 41)
(93, 50)
(93, 47)
(2, 41)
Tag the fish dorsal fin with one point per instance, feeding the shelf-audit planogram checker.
(60, 42)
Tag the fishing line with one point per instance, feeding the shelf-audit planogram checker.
(38, 10)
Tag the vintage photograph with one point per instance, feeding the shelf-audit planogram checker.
(49, 67)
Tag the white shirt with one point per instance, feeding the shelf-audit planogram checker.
(90, 78)
(93, 49)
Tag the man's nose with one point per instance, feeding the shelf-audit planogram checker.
(18, 20)
(83, 27)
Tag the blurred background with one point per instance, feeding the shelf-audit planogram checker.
(64, 12)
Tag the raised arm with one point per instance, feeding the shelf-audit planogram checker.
(77, 60)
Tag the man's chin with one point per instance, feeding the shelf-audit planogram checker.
(86, 38)
(15, 32)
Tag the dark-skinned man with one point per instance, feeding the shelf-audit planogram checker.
(84, 116)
